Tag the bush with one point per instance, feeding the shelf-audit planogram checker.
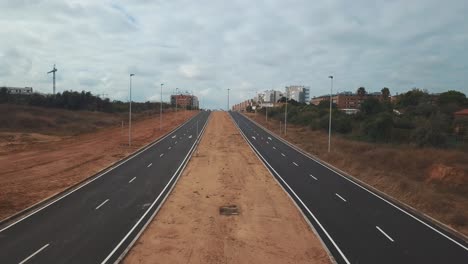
(378, 128)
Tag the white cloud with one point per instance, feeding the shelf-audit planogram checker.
(209, 46)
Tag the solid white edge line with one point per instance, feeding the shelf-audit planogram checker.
(33, 254)
(257, 153)
(385, 234)
(103, 203)
(99, 175)
(149, 165)
(295, 164)
(313, 177)
(355, 182)
(339, 196)
(130, 181)
(178, 172)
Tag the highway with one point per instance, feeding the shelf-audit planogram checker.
(356, 224)
(97, 221)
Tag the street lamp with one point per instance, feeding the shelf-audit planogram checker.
(130, 114)
(228, 99)
(177, 90)
(160, 110)
(286, 112)
(329, 120)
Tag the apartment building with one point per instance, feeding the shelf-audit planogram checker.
(298, 93)
(346, 100)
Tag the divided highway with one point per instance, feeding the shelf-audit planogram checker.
(356, 224)
(97, 221)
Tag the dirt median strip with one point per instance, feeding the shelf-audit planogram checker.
(259, 223)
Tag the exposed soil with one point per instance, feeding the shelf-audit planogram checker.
(36, 166)
(191, 227)
(434, 181)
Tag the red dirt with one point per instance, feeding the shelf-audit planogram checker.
(36, 166)
(190, 229)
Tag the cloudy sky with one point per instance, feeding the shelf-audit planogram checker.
(208, 46)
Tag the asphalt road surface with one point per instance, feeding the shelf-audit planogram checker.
(95, 223)
(356, 224)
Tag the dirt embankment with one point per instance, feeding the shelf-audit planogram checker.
(434, 181)
(190, 229)
(36, 166)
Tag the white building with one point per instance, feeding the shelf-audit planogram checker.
(272, 96)
(298, 93)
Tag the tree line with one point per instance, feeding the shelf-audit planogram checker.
(416, 117)
(72, 100)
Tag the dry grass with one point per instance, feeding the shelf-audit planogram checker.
(434, 181)
(58, 122)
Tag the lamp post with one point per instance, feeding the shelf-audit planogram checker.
(286, 112)
(160, 110)
(228, 99)
(177, 90)
(130, 114)
(329, 120)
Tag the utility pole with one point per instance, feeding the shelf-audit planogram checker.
(130, 114)
(53, 71)
(329, 120)
(160, 110)
(228, 100)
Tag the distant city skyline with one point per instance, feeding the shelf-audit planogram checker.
(210, 46)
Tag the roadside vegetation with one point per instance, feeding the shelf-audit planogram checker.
(416, 118)
(72, 100)
(414, 155)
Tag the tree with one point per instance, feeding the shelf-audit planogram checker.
(361, 91)
(371, 106)
(379, 128)
(385, 93)
(4, 95)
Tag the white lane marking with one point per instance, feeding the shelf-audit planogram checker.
(176, 142)
(295, 195)
(152, 205)
(184, 134)
(313, 177)
(270, 138)
(190, 136)
(149, 165)
(358, 183)
(385, 234)
(102, 173)
(161, 155)
(169, 147)
(295, 164)
(99, 206)
(174, 136)
(254, 137)
(33, 254)
(268, 142)
(340, 197)
(130, 181)
(274, 147)
(283, 155)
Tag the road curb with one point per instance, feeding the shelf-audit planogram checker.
(8, 221)
(382, 194)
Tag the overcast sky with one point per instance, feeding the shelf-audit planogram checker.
(247, 46)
